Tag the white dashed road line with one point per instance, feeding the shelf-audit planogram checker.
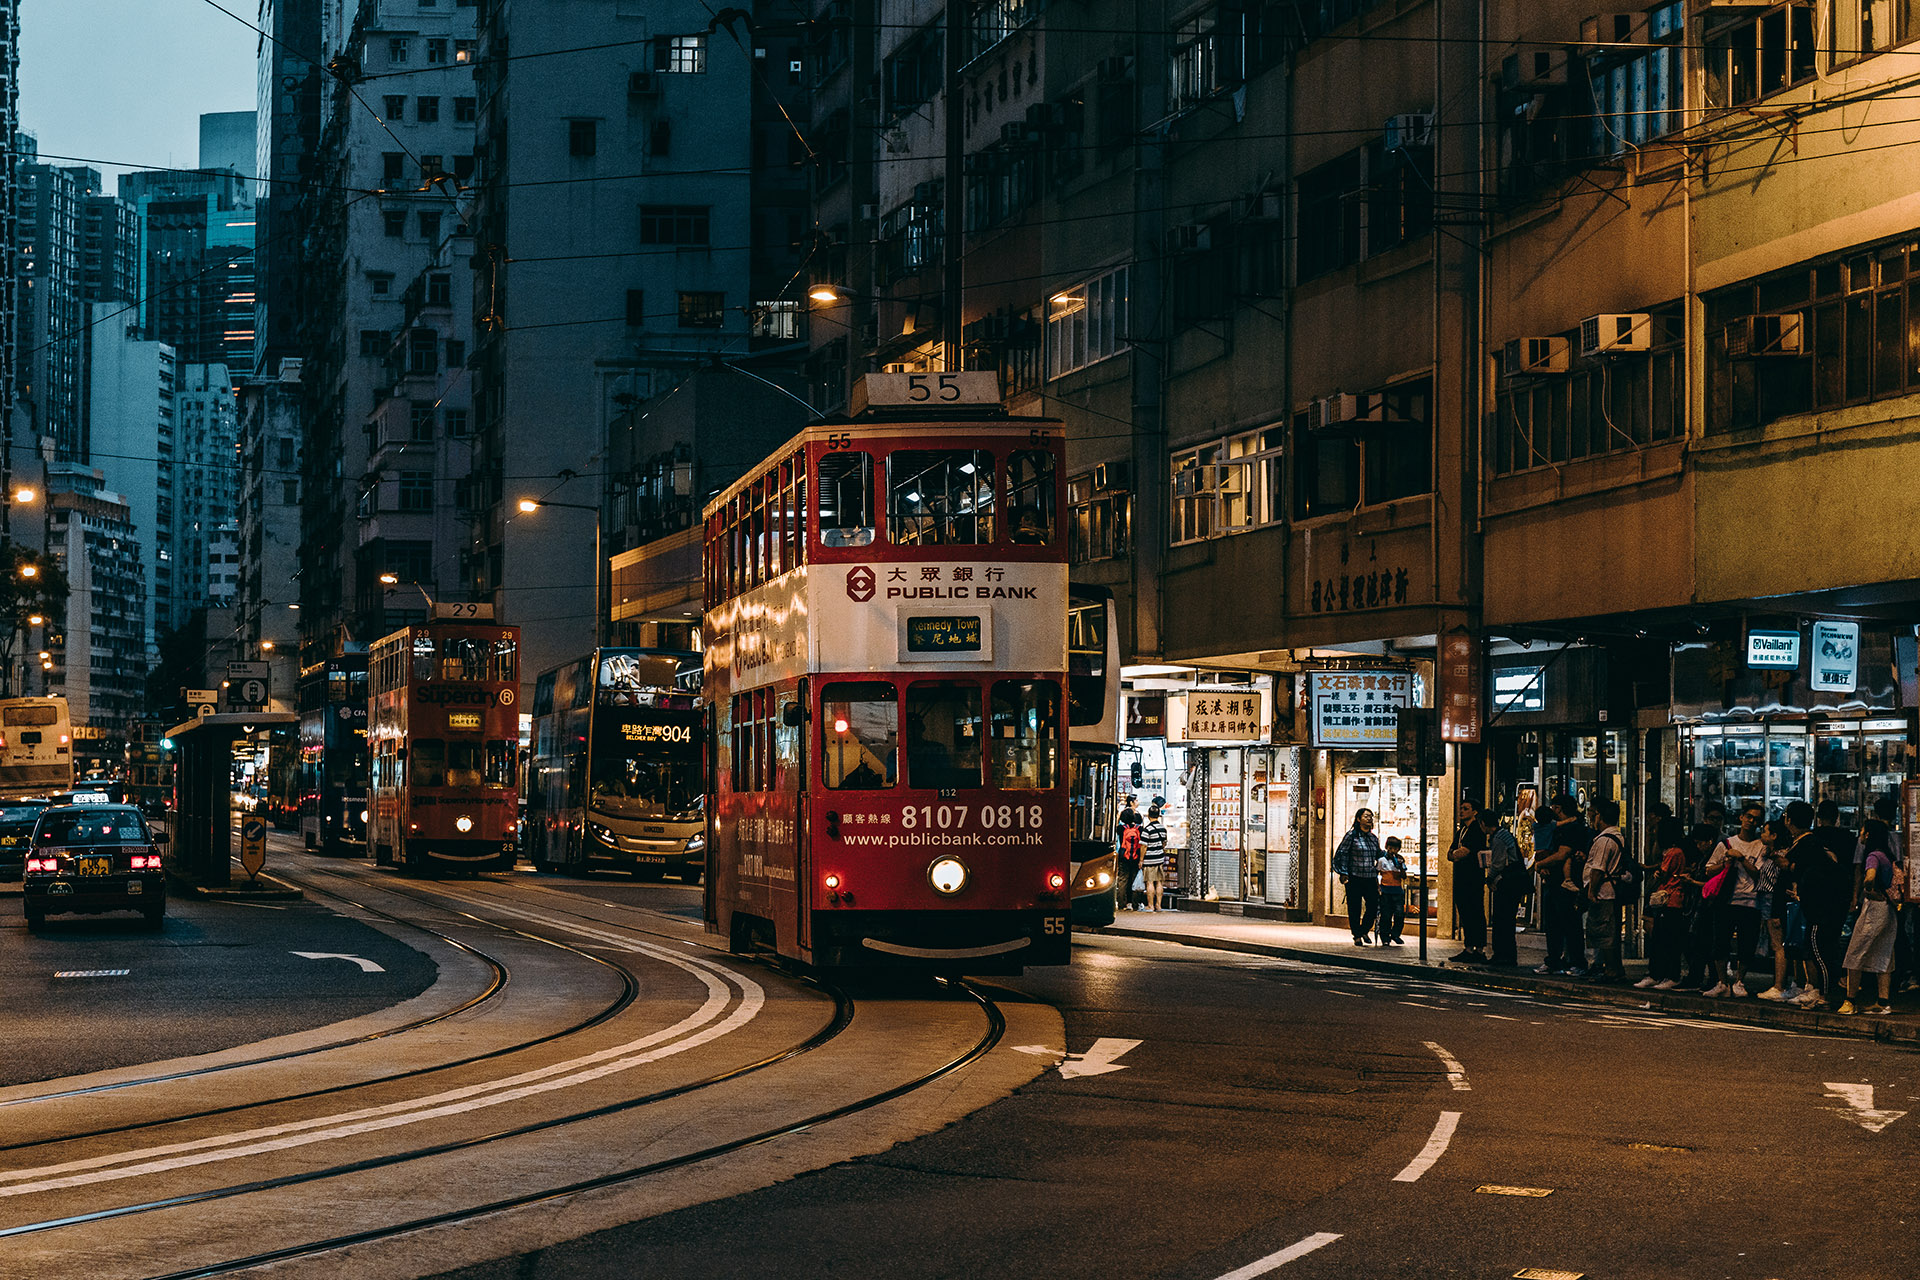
(1456, 1074)
(1435, 1148)
(1274, 1261)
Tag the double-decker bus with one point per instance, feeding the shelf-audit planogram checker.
(443, 740)
(1093, 759)
(618, 774)
(885, 668)
(333, 754)
(36, 747)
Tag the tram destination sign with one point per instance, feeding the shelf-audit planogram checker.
(951, 633)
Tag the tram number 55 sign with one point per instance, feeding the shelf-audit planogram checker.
(930, 390)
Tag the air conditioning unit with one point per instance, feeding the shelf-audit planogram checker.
(1413, 129)
(1536, 355)
(1533, 67)
(1616, 334)
(1187, 482)
(869, 212)
(290, 367)
(1191, 237)
(1111, 476)
(1767, 335)
(1332, 411)
(1604, 29)
(1113, 69)
(643, 84)
(1264, 204)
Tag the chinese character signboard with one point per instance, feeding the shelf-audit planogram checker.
(1773, 649)
(1460, 688)
(1836, 656)
(1231, 715)
(1358, 709)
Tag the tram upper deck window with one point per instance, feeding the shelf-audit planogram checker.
(943, 735)
(1025, 750)
(859, 735)
(423, 655)
(940, 497)
(846, 500)
(1030, 492)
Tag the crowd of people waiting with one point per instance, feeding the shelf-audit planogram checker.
(1819, 907)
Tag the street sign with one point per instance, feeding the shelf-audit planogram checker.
(194, 697)
(201, 710)
(247, 685)
(253, 845)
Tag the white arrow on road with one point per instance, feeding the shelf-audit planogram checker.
(1097, 1060)
(1859, 1100)
(366, 965)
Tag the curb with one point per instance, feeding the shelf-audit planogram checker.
(1750, 1012)
(243, 891)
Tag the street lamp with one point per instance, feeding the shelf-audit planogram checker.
(529, 506)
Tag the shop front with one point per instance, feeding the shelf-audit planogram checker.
(1551, 732)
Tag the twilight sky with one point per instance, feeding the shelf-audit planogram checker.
(123, 83)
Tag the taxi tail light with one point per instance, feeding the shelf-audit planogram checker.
(143, 861)
(43, 864)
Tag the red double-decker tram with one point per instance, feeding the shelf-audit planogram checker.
(886, 674)
(443, 731)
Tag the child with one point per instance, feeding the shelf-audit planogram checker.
(1153, 857)
(1393, 891)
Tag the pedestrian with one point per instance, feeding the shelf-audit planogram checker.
(1507, 878)
(1820, 892)
(1871, 949)
(1392, 870)
(1774, 907)
(1153, 857)
(1667, 904)
(1559, 885)
(1468, 856)
(1357, 861)
(1742, 858)
(1128, 852)
(1714, 814)
(1605, 881)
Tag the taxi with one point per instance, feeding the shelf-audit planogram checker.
(90, 858)
(16, 832)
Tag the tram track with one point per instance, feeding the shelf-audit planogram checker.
(629, 991)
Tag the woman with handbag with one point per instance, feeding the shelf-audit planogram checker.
(1871, 949)
(1779, 839)
(1667, 903)
(1736, 871)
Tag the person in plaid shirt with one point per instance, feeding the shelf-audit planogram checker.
(1356, 862)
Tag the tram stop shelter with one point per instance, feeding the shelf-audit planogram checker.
(202, 850)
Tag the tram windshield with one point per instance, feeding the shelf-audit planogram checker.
(943, 735)
(860, 735)
(646, 768)
(846, 500)
(1026, 734)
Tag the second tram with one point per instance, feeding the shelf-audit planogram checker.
(1093, 761)
(885, 668)
(36, 747)
(333, 754)
(617, 778)
(443, 740)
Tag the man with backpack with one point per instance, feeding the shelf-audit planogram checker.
(1608, 882)
(1128, 850)
(1507, 873)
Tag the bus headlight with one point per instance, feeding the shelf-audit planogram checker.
(603, 834)
(463, 824)
(696, 844)
(948, 876)
(1103, 878)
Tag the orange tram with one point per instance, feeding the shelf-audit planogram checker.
(886, 663)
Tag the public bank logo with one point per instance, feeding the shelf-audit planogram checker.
(860, 584)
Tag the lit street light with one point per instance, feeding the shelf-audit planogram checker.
(529, 506)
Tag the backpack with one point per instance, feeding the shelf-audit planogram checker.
(1626, 875)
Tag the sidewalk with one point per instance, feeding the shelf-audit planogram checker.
(1323, 945)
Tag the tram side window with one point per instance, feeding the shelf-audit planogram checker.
(1030, 508)
(502, 757)
(463, 658)
(1026, 734)
(846, 500)
(427, 762)
(423, 656)
(859, 735)
(943, 735)
(940, 498)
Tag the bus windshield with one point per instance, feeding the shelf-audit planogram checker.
(646, 768)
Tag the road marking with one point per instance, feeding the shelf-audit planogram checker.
(1098, 1060)
(1499, 1017)
(366, 965)
(1542, 1273)
(1533, 1192)
(1273, 1261)
(1435, 1148)
(690, 1032)
(1653, 1146)
(93, 973)
(1860, 1108)
(1456, 1074)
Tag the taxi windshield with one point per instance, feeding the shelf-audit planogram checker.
(101, 826)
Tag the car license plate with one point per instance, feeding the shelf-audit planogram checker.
(93, 866)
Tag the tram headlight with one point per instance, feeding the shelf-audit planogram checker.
(463, 824)
(1056, 881)
(948, 876)
(1103, 879)
(363, 815)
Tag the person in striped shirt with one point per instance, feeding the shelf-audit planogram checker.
(1153, 857)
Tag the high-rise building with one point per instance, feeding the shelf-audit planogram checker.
(100, 665)
(134, 432)
(9, 223)
(52, 308)
(204, 478)
(267, 594)
(286, 145)
(228, 140)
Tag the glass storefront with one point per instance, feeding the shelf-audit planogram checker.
(1240, 818)
(1367, 780)
(1773, 763)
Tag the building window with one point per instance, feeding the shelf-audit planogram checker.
(436, 50)
(1229, 486)
(430, 227)
(636, 309)
(416, 491)
(456, 353)
(439, 290)
(1194, 68)
(1597, 405)
(1330, 200)
(582, 137)
(1758, 55)
(410, 561)
(394, 221)
(681, 55)
(1399, 195)
(420, 415)
(660, 138)
(1365, 449)
(392, 166)
(463, 167)
(1087, 323)
(426, 110)
(456, 420)
(1101, 521)
(374, 342)
(463, 51)
(701, 310)
(290, 493)
(912, 72)
(466, 110)
(1862, 28)
(423, 352)
(673, 224)
(396, 104)
(380, 283)
(397, 50)
(778, 320)
(995, 20)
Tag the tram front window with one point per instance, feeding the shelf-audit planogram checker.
(1030, 497)
(1026, 734)
(427, 763)
(660, 788)
(846, 500)
(859, 735)
(940, 498)
(943, 736)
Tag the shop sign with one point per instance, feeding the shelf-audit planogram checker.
(1147, 715)
(1460, 684)
(1358, 709)
(1836, 656)
(1773, 649)
(1520, 689)
(1237, 716)
(1223, 817)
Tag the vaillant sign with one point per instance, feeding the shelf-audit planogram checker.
(1773, 649)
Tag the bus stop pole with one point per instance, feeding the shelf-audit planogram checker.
(1423, 864)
